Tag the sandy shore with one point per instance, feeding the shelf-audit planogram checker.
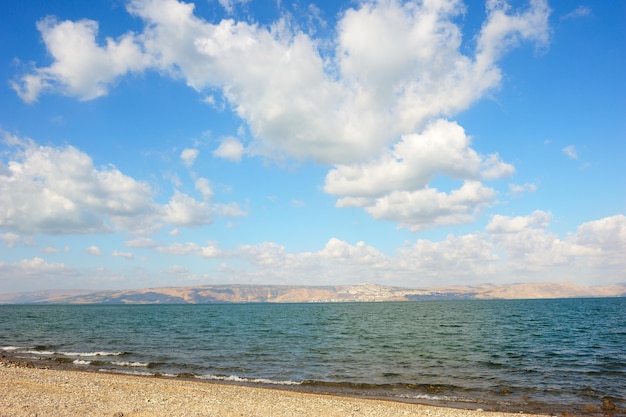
(47, 392)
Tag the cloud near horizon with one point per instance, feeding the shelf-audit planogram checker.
(521, 248)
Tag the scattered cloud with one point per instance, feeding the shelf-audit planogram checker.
(81, 67)
(126, 255)
(204, 186)
(518, 190)
(10, 239)
(209, 251)
(580, 11)
(509, 248)
(370, 95)
(50, 249)
(94, 250)
(229, 5)
(183, 210)
(374, 89)
(140, 242)
(189, 156)
(230, 148)
(58, 190)
(33, 273)
(570, 151)
(395, 186)
(429, 207)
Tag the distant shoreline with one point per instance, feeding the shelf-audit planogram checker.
(206, 294)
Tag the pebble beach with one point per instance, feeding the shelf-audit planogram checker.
(34, 392)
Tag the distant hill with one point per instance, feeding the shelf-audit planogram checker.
(312, 294)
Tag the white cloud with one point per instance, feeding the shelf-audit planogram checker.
(50, 249)
(570, 151)
(343, 107)
(429, 207)
(94, 250)
(229, 5)
(395, 186)
(34, 266)
(442, 149)
(189, 156)
(58, 190)
(511, 249)
(505, 224)
(211, 250)
(126, 255)
(140, 242)
(183, 210)
(230, 148)
(81, 67)
(27, 274)
(504, 30)
(360, 254)
(230, 210)
(587, 254)
(580, 11)
(456, 256)
(204, 186)
(10, 239)
(517, 190)
(179, 249)
(335, 108)
(605, 239)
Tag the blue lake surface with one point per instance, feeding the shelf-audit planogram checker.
(549, 356)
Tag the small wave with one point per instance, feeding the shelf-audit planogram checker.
(117, 371)
(235, 378)
(10, 348)
(90, 354)
(430, 397)
(81, 362)
(131, 364)
(166, 375)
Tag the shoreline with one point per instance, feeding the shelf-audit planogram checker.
(26, 391)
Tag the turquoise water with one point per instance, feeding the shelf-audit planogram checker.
(516, 355)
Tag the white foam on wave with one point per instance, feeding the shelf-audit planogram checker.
(90, 354)
(81, 362)
(445, 398)
(117, 371)
(131, 364)
(235, 378)
(10, 348)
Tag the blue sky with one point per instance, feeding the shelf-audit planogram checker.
(150, 143)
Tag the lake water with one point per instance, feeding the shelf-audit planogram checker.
(548, 356)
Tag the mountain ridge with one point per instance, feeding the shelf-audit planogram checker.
(247, 293)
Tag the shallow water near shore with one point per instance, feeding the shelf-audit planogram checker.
(549, 356)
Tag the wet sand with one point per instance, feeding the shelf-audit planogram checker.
(47, 392)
